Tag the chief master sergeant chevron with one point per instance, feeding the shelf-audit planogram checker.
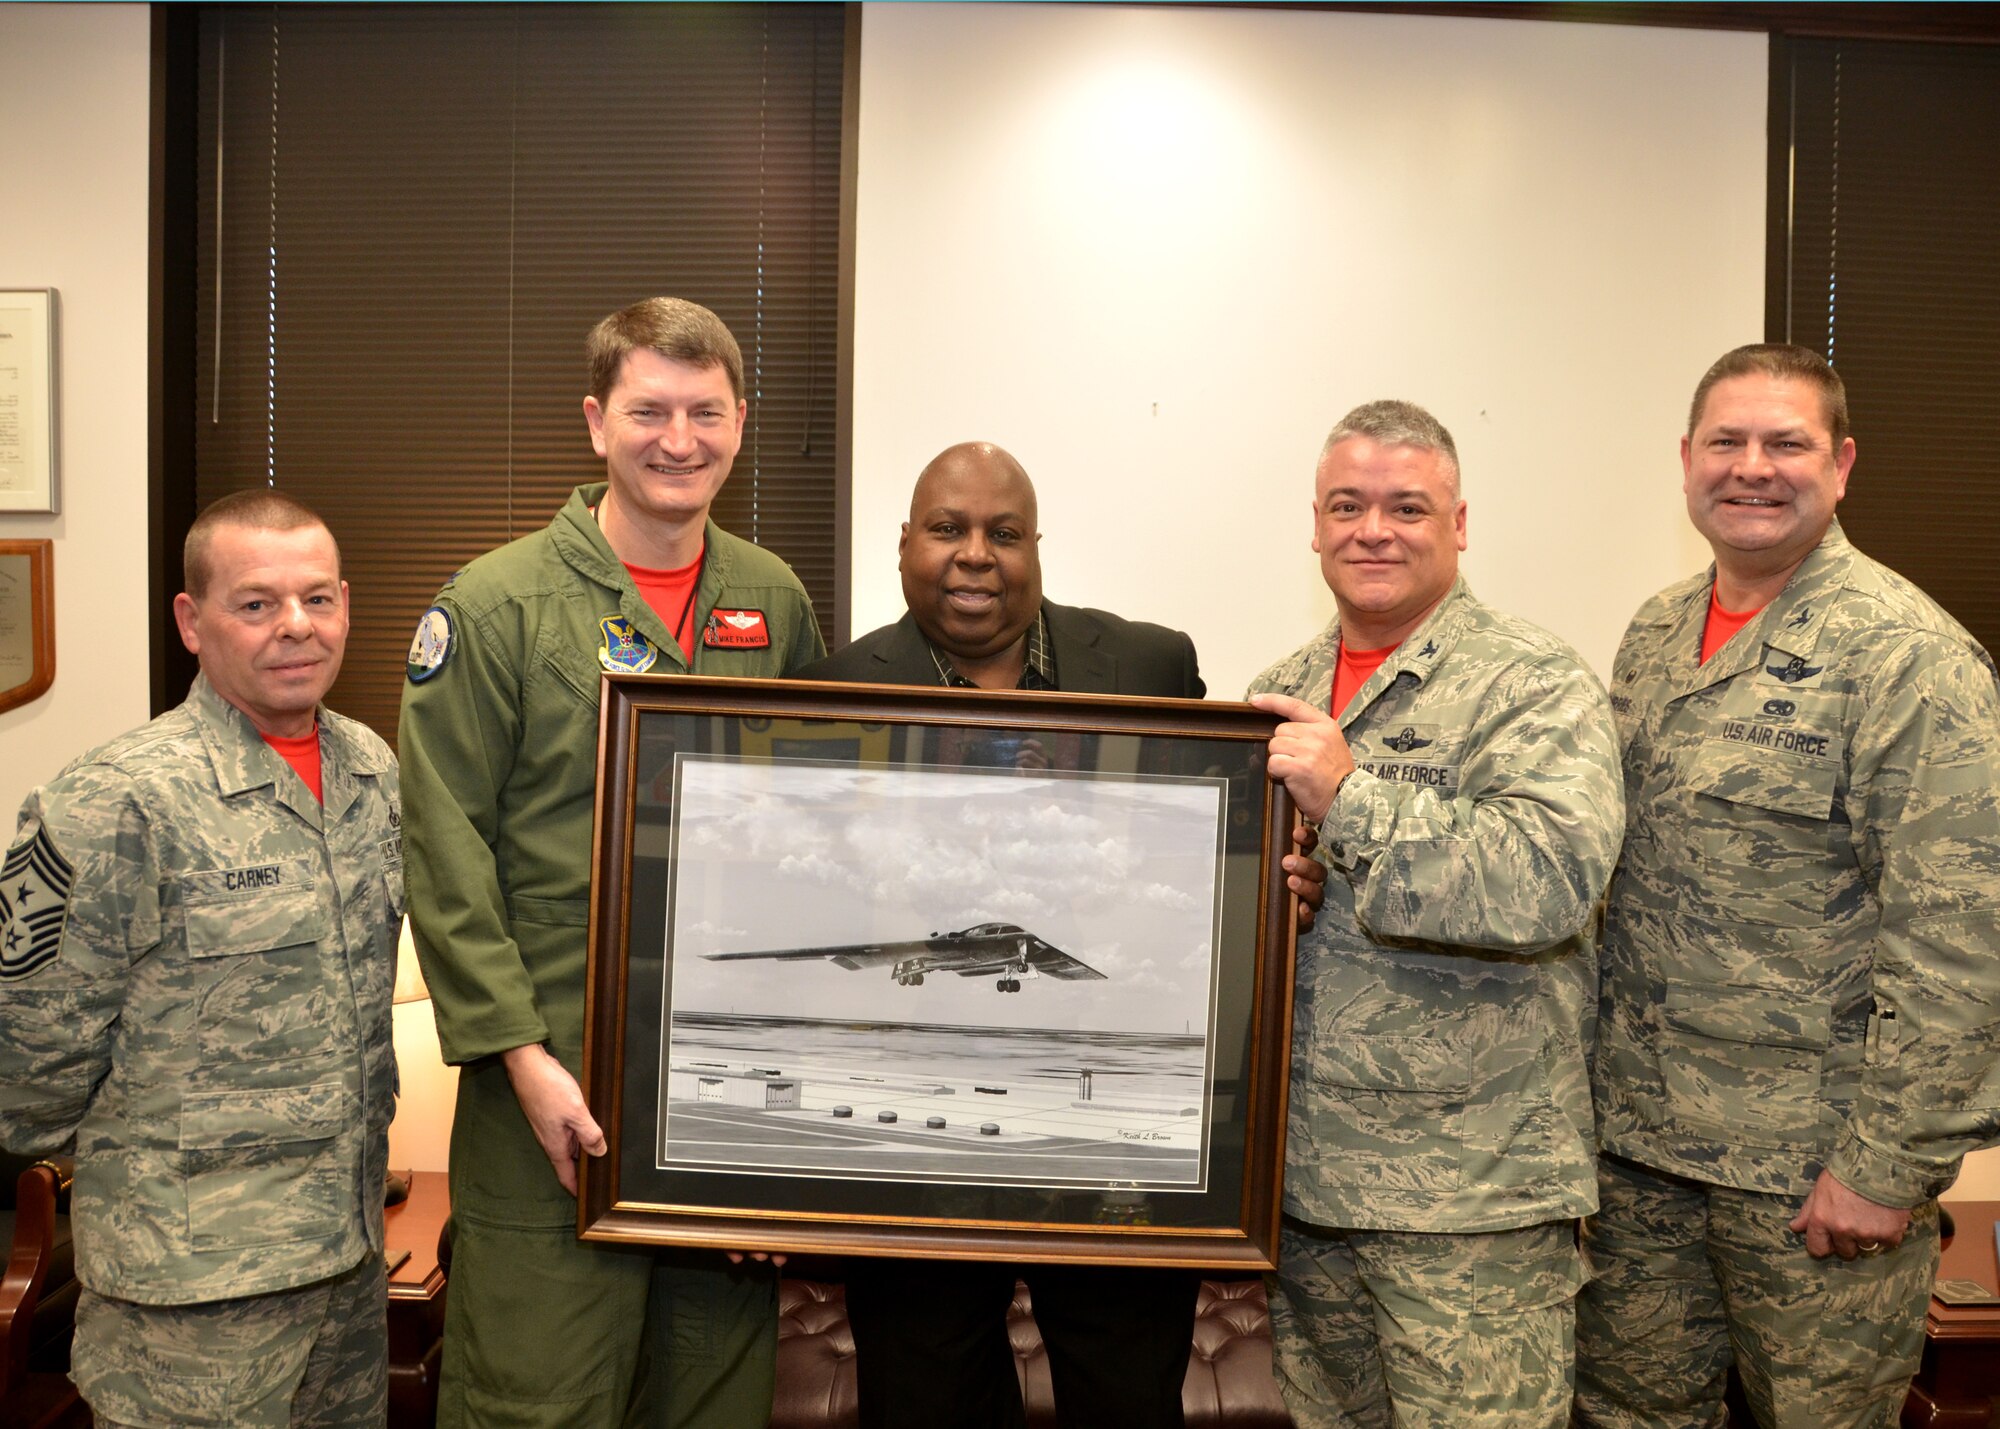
(1800, 1033)
(1462, 770)
(197, 942)
(499, 746)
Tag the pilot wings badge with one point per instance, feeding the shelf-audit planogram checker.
(1408, 739)
(1793, 670)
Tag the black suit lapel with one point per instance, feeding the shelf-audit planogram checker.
(1083, 666)
(906, 658)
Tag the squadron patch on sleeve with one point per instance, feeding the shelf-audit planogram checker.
(35, 883)
(430, 647)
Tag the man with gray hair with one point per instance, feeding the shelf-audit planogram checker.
(1801, 996)
(1461, 770)
(198, 929)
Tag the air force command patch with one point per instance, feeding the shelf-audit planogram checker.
(736, 630)
(34, 902)
(625, 650)
(430, 647)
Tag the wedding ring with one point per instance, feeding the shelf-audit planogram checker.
(1868, 1247)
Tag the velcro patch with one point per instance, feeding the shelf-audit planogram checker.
(736, 630)
(625, 649)
(430, 647)
(35, 884)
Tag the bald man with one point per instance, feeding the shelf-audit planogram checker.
(930, 1337)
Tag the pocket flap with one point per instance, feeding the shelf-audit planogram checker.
(265, 1116)
(1765, 779)
(1749, 1015)
(285, 916)
(1393, 1064)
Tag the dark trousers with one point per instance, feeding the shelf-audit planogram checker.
(931, 1347)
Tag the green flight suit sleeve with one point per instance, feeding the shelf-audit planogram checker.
(83, 845)
(460, 729)
(1925, 813)
(805, 645)
(1517, 859)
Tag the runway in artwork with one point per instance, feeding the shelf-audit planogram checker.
(959, 1104)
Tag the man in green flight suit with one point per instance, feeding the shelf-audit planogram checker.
(1801, 1002)
(1462, 770)
(499, 741)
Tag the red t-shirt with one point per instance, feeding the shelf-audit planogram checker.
(1352, 671)
(1722, 624)
(302, 753)
(671, 594)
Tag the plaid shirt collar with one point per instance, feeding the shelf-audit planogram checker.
(1038, 664)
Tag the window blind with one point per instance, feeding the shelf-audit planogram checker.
(1894, 257)
(410, 217)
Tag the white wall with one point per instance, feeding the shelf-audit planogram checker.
(1156, 252)
(74, 85)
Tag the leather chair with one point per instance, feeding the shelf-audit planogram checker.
(1228, 1379)
(37, 1295)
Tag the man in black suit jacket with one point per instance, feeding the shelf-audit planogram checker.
(931, 1337)
(973, 581)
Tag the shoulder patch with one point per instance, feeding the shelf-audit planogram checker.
(624, 649)
(35, 883)
(430, 647)
(736, 630)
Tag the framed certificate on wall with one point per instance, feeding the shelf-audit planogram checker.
(28, 399)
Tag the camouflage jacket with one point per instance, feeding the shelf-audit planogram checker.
(1802, 947)
(499, 748)
(1444, 994)
(197, 990)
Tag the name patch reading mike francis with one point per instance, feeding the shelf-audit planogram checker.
(625, 650)
(736, 630)
(34, 903)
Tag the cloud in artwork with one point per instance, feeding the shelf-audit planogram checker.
(710, 931)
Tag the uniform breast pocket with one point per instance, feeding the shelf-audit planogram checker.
(1763, 836)
(268, 1166)
(1388, 1112)
(268, 996)
(390, 852)
(575, 672)
(1744, 1065)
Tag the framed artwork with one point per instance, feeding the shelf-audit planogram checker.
(937, 972)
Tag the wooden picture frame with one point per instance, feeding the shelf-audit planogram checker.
(932, 972)
(27, 621)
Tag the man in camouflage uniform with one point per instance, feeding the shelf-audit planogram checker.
(1801, 1002)
(196, 956)
(499, 743)
(1466, 795)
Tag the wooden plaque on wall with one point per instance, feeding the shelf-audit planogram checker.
(27, 621)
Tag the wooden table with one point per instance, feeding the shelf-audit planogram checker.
(1958, 1386)
(416, 1301)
